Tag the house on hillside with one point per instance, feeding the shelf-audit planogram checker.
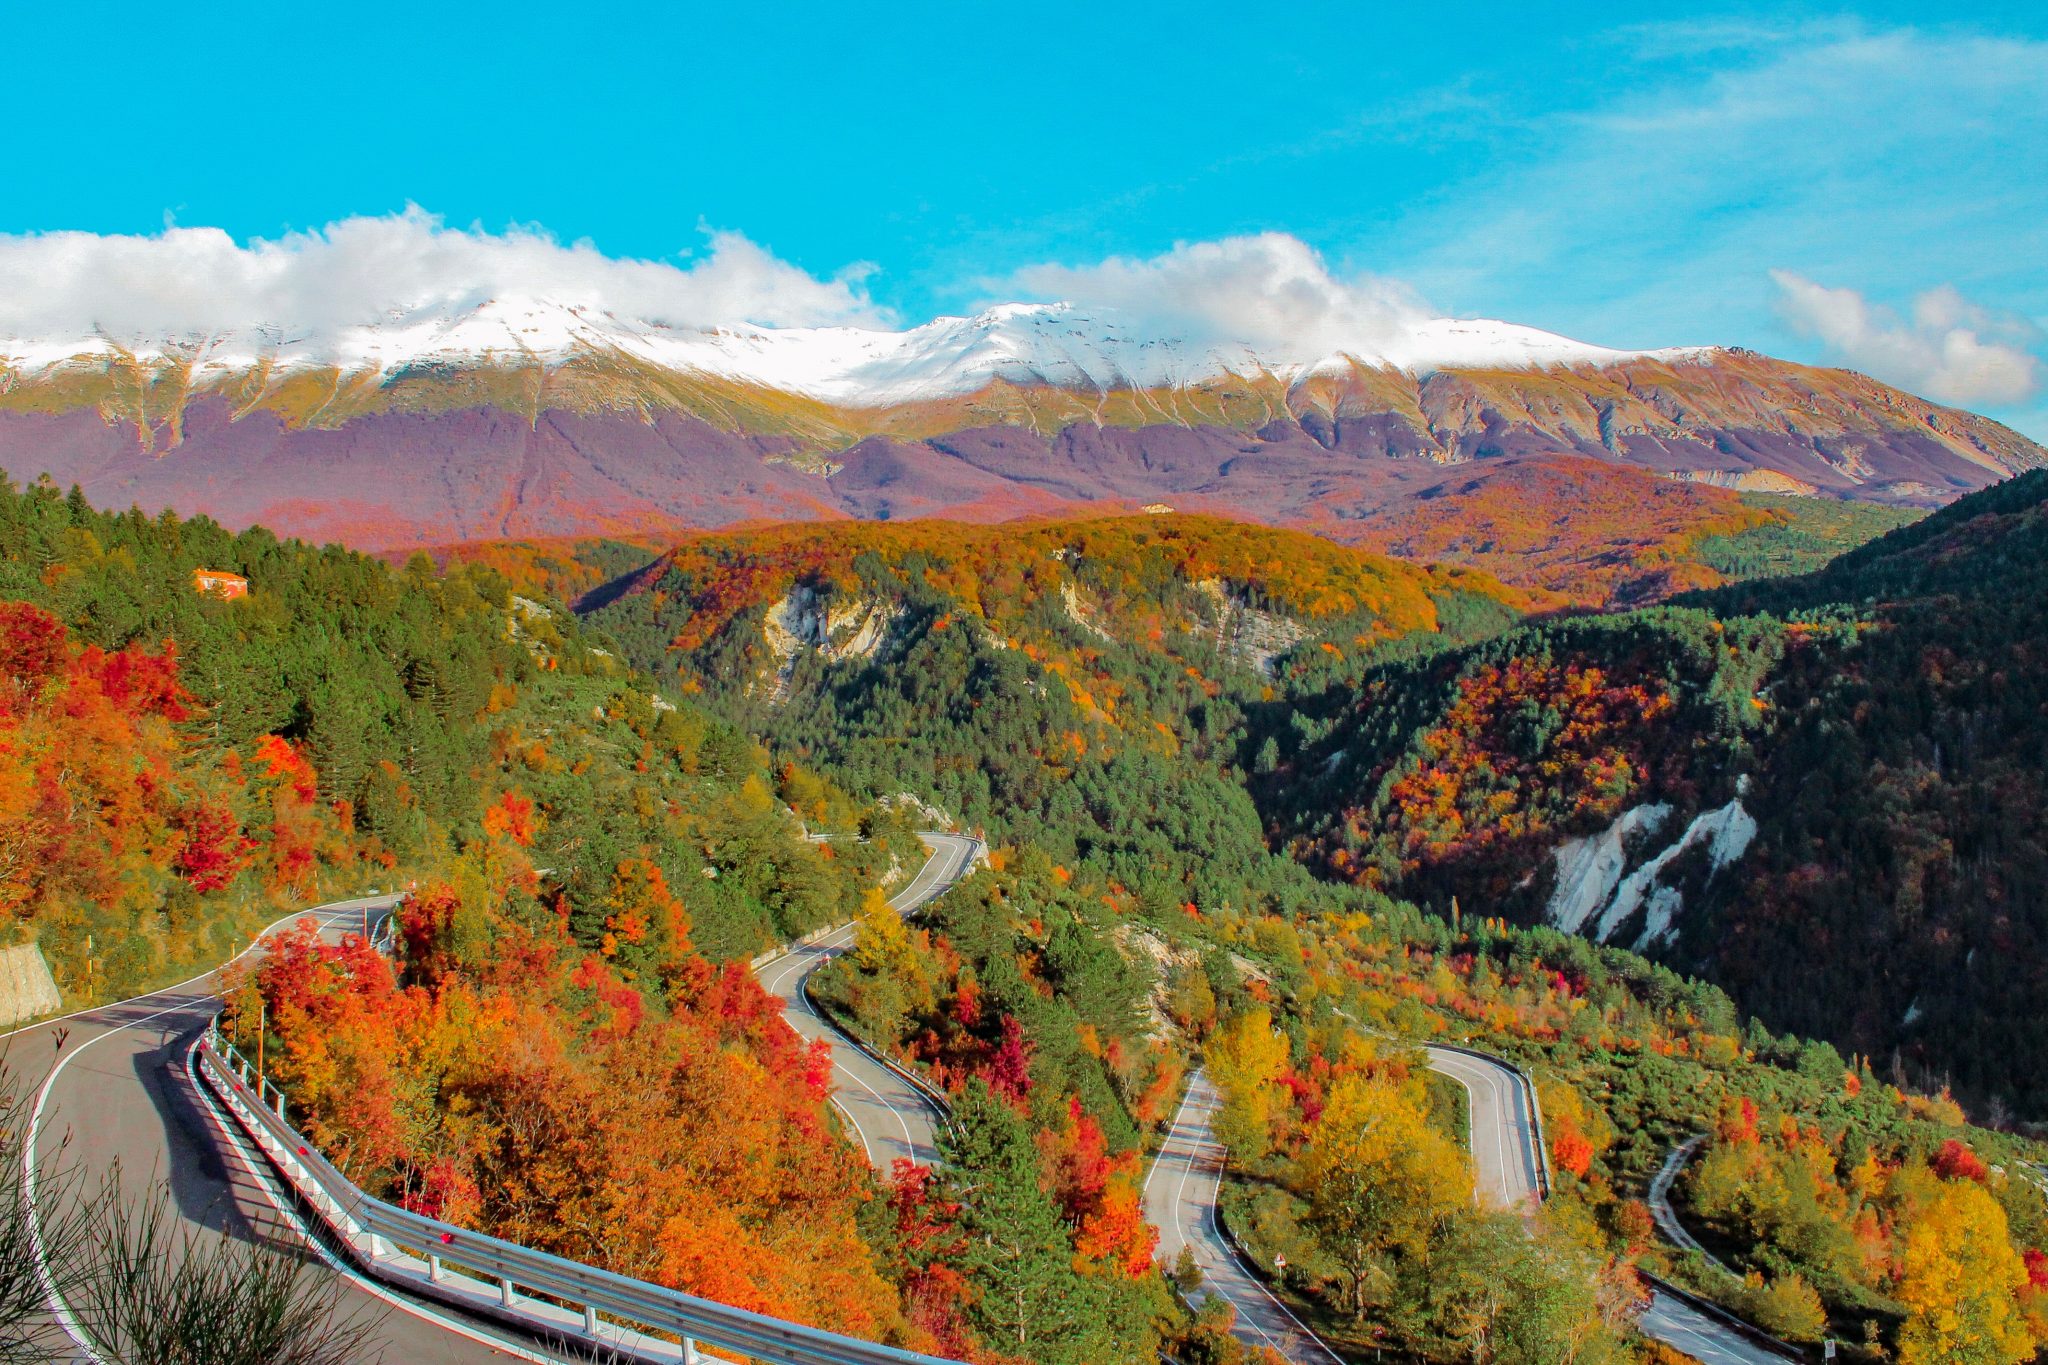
(220, 583)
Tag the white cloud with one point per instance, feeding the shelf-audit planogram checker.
(1950, 349)
(1270, 291)
(200, 280)
(1842, 151)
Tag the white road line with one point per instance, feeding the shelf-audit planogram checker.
(58, 1307)
(1231, 1272)
(938, 872)
(335, 911)
(29, 1162)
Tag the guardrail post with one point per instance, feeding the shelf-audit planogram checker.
(689, 1352)
(434, 1268)
(505, 1294)
(589, 1321)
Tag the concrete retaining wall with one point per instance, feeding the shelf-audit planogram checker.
(26, 987)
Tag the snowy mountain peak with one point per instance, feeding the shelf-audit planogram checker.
(1056, 344)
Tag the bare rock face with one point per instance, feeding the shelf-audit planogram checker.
(431, 457)
(27, 990)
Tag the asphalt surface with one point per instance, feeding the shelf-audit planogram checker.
(1504, 1174)
(1660, 1202)
(1679, 1325)
(1670, 1319)
(888, 1113)
(1180, 1200)
(116, 1096)
(1182, 1190)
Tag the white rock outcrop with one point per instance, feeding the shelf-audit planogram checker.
(1598, 895)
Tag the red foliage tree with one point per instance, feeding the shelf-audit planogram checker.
(214, 850)
(1955, 1161)
(1008, 1069)
(1570, 1150)
(928, 1244)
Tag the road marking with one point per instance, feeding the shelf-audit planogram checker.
(1232, 1272)
(29, 1162)
(330, 914)
(334, 911)
(933, 879)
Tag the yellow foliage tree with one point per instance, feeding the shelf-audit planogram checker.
(895, 963)
(1246, 1058)
(1382, 1184)
(1959, 1279)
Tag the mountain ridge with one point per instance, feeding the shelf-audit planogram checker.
(451, 445)
(1053, 344)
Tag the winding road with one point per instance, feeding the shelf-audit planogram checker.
(1503, 1141)
(113, 1092)
(1180, 1200)
(890, 1115)
(1182, 1190)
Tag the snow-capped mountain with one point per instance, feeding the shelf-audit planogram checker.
(497, 416)
(1046, 344)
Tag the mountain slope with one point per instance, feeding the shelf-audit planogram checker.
(1826, 792)
(528, 419)
(1074, 684)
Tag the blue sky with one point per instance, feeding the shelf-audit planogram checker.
(1633, 184)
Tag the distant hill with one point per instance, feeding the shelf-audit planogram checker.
(1075, 684)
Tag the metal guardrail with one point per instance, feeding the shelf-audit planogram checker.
(940, 1102)
(1665, 1216)
(535, 1290)
(1734, 1322)
(539, 1292)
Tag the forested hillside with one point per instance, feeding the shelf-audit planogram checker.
(1832, 774)
(1074, 686)
(1824, 791)
(1599, 534)
(1030, 697)
(1844, 1207)
(179, 766)
(587, 850)
(587, 861)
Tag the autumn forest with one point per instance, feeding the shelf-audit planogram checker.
(1743, 856)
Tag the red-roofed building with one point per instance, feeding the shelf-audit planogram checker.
(220, 583)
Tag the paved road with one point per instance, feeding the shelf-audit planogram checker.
(117, 1092)
(1181, 1194)
(1705, 1339)
(890, 1115)
(1504, 1174)
(1503, 1144)
(1660, 1202)
(1180, 1200)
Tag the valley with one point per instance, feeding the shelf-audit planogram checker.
(1273, 825)
(905, 685)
